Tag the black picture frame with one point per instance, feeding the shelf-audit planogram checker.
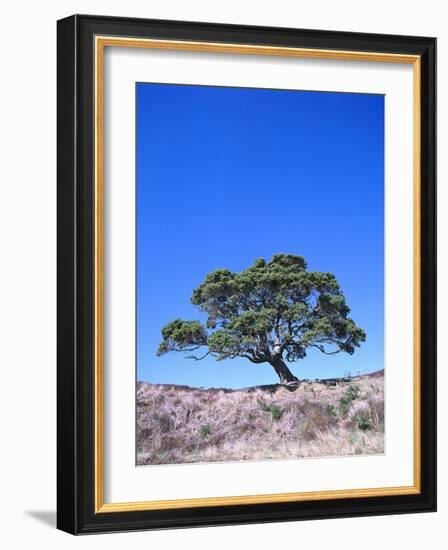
(76, 512)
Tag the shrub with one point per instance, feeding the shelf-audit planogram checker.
(275, 410)
(206, 430)
(350, 394)
(363, 422)
(263, 406)
(365, 415)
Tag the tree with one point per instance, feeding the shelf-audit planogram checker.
(271, 312)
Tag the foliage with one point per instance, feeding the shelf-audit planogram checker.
(271, 312)
(206, 430)
(352, 392)
(363, 422)
(275, 410)
(349, 395)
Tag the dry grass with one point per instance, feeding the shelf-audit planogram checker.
(178, 424)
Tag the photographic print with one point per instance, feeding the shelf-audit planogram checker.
(246, 274)
(260, 274)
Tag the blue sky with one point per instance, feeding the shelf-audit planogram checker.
(227, 175)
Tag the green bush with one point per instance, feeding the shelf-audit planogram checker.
(264, 406)
(275, 410)
(363, 422)
(206, 430)
(350, 394)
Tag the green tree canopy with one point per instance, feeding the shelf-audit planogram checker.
(271, 312)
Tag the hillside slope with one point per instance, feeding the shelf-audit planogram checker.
(179, 424)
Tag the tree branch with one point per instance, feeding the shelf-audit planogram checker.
(322, 349)
(251, 359)
(180, 349)
(197, 358)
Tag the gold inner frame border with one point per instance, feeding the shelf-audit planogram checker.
(100, 43)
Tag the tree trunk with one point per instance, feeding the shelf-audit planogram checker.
(285, 375)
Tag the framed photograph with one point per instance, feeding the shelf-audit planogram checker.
(246, 274)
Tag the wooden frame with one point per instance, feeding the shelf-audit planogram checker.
(81, 43)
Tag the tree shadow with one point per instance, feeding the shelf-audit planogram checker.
(48, 517)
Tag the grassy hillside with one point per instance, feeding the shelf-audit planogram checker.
(179, 424)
